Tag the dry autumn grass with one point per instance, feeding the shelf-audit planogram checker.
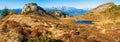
(35, 28)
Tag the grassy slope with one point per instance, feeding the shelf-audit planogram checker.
(56, 29)
(107, 19)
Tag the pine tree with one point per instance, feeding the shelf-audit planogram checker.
(4, 12)
(12, 12)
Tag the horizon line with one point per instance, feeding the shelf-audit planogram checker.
(49, 7)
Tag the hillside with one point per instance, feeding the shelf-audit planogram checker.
(104, 7)
(39, 26)
(96, 13)
(108, 14)
(109, 18)
(34, 28)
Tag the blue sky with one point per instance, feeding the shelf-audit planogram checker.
(13, 4)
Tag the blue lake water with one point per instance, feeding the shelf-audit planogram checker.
(84, 22)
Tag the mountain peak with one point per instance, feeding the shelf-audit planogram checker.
(105, 6)
(30, 7)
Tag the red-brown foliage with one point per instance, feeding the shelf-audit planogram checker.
(34, 33)
(41, 30)
(66, 36)
(18, 30)
(12, 24)
(26, 32)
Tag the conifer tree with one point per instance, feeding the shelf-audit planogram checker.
(4, 12)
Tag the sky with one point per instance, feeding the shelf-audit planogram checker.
(80, 4)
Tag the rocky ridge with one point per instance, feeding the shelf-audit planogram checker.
(104, 7)
(32, 7)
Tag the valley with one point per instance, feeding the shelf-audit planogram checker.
(35, 24)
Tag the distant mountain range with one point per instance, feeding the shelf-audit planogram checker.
(0, 12)
(68, 10)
